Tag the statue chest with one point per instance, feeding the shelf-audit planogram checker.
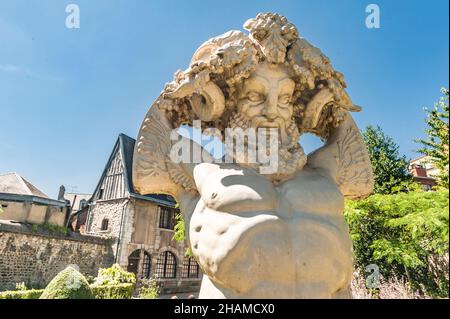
(252, 236)
(242, 192)
(310, 193)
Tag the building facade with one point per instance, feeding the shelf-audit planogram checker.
(424, 172)
(23, 202)
(141, 228)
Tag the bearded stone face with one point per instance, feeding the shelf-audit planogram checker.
(265, 101)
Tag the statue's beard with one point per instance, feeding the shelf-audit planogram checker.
(291, 157)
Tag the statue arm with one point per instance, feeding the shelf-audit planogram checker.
(153, 169)
(344, 158)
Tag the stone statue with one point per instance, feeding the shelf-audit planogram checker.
(277, 235)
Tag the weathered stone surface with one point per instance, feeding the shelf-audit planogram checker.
(257, 235)
(35, 259)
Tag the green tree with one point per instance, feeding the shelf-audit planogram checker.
(389, 168)
(405, 235)
(436, 146)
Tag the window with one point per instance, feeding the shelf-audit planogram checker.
(166, 218)
(190, 268)
(133, 261)
(146, 266)
(105, 223)
(166, 266)
(100, 193)
(82, 204)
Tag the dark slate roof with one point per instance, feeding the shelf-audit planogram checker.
(126, 145)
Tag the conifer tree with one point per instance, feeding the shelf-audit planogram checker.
(389, 168)
(436, 144)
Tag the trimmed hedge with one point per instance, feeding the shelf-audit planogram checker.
(22, 294)
(119, 291)
(68, 284)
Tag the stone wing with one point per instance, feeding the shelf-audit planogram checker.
(153, 171)
(345, 158)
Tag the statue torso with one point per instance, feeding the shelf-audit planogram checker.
(269, 241)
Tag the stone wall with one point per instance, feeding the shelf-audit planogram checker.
(116, 213)
(35, 258)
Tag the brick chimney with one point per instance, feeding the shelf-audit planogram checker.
(62, 191)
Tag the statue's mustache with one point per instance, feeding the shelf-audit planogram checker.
(278, 122)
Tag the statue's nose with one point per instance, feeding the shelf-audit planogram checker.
(270, 111)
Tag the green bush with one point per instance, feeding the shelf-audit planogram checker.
(119, 291)
(68, 284)
(51, 228)
(22, 294)
(114, 275)
(403, 234)
(149, 289)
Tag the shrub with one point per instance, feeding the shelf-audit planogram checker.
(392, 288)
(402, 234)
(68, 284)
(118, 291)
(149, 289)
(51, 228)
(22, 294)
(114, 275)
(90, 279)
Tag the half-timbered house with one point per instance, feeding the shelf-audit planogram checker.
(141, 227)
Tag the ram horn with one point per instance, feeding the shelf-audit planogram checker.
(207, 99)
(315, 106)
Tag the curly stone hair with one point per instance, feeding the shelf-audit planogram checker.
(208, 89)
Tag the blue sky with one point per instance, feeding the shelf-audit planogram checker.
(66, 94)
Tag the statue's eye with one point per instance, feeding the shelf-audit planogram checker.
(284, 99)
(255, 96)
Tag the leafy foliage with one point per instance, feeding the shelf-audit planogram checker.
(114, 275)
(180, 232)
(50, 228)
(389, 168)
(149, 289)
(401, 234)
(436, 146)
(118, 291)
(68, 284)
(22, 294)
(112, 283)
